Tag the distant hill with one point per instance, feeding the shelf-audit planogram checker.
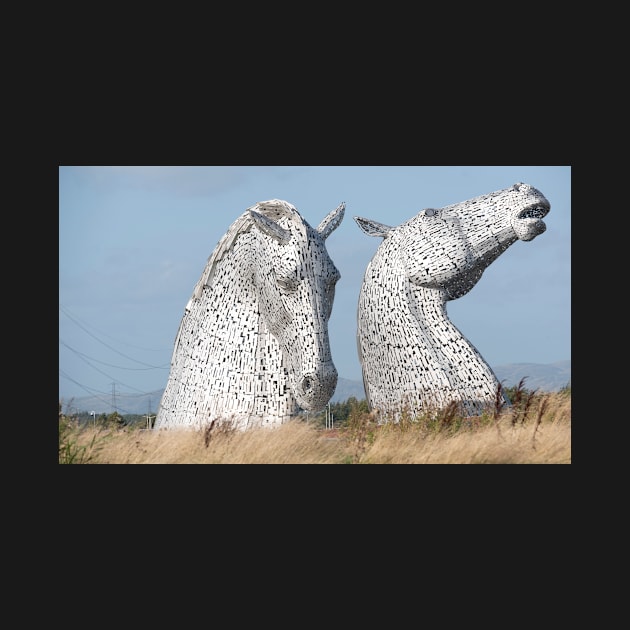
(548, 377)
(348, 389)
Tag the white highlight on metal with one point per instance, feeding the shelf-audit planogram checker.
(252, 347)
(413, 358)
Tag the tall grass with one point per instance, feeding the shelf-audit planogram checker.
(535, 429)
(72, 449)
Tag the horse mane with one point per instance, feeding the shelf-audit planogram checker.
(273, 209)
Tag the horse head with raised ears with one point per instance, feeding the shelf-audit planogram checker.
(295, 281)
(252, 347)
(411, 354)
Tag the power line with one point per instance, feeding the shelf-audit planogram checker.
(85, 357)
(109, 376)
(107, 345)
(76, 320)
(83, 387)
(119, 367)
(94, 394)
(91, 391)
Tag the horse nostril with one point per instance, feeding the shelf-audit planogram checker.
(307, 384)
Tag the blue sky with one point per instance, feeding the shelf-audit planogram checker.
(133, 241)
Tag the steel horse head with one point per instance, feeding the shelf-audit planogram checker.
(411, 354)
(253, 345)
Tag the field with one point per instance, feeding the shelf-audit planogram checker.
(536, 429)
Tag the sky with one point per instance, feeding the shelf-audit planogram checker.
(134, 240)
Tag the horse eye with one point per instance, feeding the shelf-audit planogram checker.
(431, 212)
(287, 285)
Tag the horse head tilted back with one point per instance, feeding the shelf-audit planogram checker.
(295, 280)
(436, 256)
(450, 247)
(253, 343)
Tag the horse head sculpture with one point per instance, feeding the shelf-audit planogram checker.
(295, 280)
(412, 356)
(253, 345)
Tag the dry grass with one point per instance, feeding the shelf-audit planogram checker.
(535, 430)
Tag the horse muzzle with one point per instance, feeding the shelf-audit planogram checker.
(314, 390)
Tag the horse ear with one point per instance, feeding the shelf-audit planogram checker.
(331, 221)
(373, 228)
(270, 227)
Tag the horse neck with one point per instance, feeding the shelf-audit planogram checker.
(442, 340)
(405, 329)
(225, 363)
(406, 316)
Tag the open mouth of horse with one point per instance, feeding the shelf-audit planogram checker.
(535, 212)
(528, 223)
